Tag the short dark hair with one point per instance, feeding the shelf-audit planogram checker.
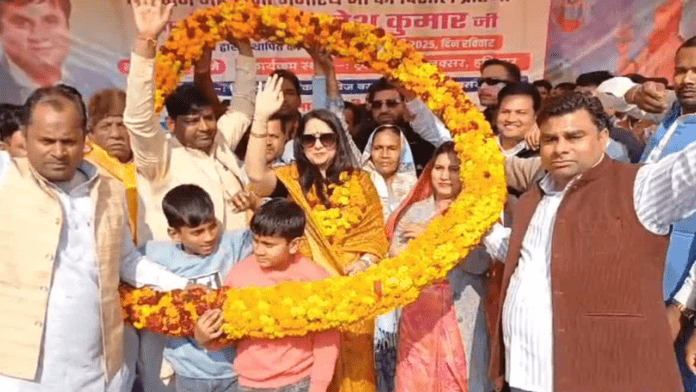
(288, 75)
(381, 84)
(187, 205)
(186, 99)
(512, 70)
(521, 88)
(279, 218)
(10, 120)
(54, 96)
(566, 86)
(64, 5)
(543, 83)
(285, 118)
(689, 43)
(572, 102)
(594, 78)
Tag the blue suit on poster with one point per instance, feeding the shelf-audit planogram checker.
(83, 79)
(682, 242)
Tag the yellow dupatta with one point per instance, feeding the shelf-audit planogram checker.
(355, 368)
(125, 173)
(366, 236)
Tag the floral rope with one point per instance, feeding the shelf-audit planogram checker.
(295, 308)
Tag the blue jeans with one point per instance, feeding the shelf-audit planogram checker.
(302, 386)
(185, 384)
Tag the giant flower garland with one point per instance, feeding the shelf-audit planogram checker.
(347, 207)
(294, 308)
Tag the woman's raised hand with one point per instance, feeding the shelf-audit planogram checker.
(269, 99)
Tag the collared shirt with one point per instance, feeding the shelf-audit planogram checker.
(514, 150)
(72, 356)
(26, 85)
(663, 193)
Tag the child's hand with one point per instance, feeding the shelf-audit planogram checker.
(245, 200)
(208, 327)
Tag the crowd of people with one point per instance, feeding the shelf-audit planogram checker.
(585, 284)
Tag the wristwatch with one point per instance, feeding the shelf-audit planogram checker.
(688, 313)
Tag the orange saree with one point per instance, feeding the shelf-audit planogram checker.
(335, 250)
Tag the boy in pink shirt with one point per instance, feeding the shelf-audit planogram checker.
(291, 364)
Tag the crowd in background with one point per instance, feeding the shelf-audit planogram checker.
(585, 284)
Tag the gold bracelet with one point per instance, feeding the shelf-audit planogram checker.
(258, 135)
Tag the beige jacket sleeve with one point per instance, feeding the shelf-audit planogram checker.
(519, 172)
(233, 124)
(148, 139)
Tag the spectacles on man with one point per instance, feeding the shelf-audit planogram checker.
(391, 103)
(492, 81)
(328, 140)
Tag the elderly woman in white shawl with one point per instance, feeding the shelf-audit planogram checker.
(389, 161)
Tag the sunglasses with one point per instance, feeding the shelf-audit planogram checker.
(327, 140)
(391, 103)
(492, 81)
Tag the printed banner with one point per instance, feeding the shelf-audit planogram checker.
(620, 36)
(90, 41)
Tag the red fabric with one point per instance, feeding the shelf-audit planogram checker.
(421, 191)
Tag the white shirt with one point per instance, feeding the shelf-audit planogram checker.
(514, 150)
(72, 356)
(663, 193)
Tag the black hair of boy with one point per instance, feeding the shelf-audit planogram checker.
(279, 218)
(187, 205)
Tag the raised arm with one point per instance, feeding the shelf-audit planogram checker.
(262, 179)
(203, 80)
(665, 191)
(649, 101)
(148, 140)
(426, 124)
(238, 116)
(326, 93)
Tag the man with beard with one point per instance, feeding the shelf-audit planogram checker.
(677, 119)
(388, 105)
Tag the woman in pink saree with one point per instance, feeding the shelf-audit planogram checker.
(436, 334)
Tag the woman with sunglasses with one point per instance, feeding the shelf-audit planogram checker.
(324, 164)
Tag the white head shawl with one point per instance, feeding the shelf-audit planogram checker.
(404, 179)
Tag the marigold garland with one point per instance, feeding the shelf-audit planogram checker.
(347, 207)
(293, 308)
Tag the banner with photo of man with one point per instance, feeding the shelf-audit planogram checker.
(87, 43)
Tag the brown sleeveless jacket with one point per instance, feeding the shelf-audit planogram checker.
(609, 320)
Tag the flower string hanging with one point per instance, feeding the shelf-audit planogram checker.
(295, 308)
